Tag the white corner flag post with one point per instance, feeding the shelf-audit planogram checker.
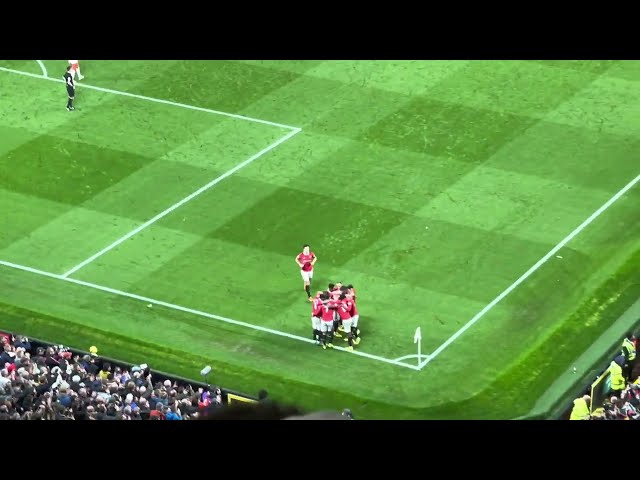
(417, 338)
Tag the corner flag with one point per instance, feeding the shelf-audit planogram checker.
(418, 335)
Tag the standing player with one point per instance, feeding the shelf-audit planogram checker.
(344, 307)
(326, 326)
(75, 68)
(355, 331)
(335, 293)
(71, 88)
(316, 317)
(306, 260)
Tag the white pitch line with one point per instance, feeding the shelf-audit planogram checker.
(414, 355)
(43, 68)
(528, 273)
(194, 312)
(151, 99)
(181, 202)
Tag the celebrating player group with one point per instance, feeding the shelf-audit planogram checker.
(333, 311)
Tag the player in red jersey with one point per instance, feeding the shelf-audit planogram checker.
(326, 328)
(75, 68)
(316, 314)
(334, 294)
(344, 307)
(355, 316)
(338, 290)
(306, 260)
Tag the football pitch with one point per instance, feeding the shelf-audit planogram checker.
(493, 204)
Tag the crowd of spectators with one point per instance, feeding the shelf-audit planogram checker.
(622, 400)
(52, 383)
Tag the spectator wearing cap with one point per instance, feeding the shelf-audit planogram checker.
(629, 352)
(618, 382)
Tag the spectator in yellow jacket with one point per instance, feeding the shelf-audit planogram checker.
(618, 382)
(581, 409)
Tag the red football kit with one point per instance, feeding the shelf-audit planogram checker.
(316, 310)
(343, 310)
(306, 260)
(328, 311)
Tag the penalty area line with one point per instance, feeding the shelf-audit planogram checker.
(152, 99)
(178, 204)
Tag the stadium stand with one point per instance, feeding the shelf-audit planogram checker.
(615, 393)
(41, 381)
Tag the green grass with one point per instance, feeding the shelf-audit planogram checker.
(432, 186)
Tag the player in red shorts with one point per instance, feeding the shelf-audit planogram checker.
(306, 260)
(75, 68)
